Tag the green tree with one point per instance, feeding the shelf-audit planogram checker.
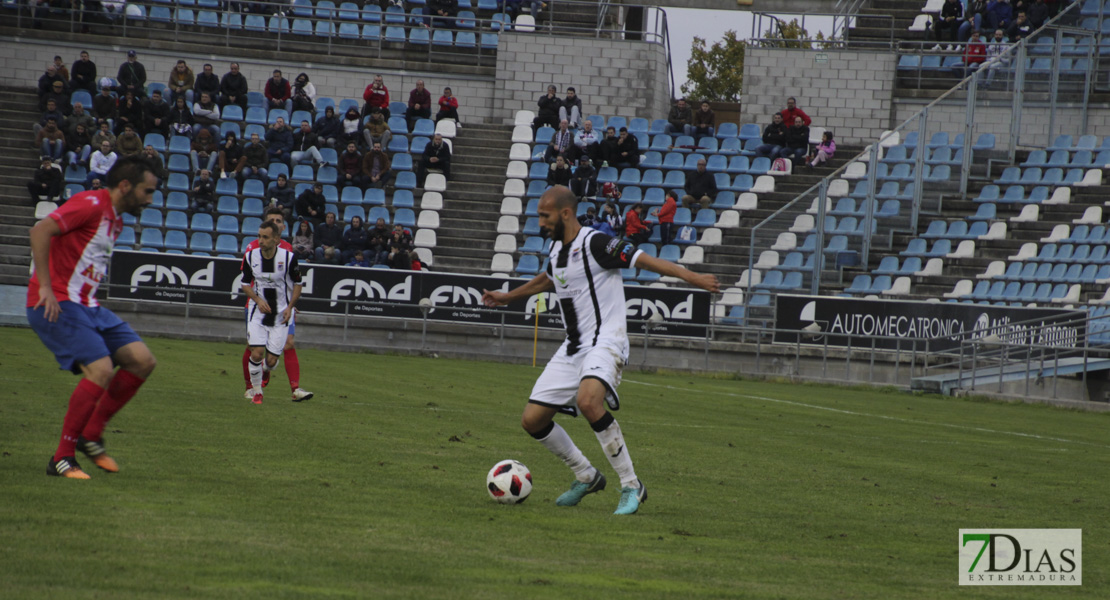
(715, 73)
(786, 35)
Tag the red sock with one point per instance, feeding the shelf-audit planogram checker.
(119, 392)
(246, 366)
(293, 368)
(81, 405)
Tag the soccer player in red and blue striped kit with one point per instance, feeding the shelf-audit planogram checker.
(70, 249)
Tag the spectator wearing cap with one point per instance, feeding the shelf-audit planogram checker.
(679, 118)
(83, 74)
(703, 123)
(548, 113)
(590, 218)
(571, 109)
(46, 182)
(278, 92)
(448, 106)
(792, 112)
(132, 76)
(700, 188)
(583, 182)
(420, 104)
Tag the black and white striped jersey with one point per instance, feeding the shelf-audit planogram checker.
(586, 274)
(272, 278)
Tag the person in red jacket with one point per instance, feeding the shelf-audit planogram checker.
(634, 226)
(376, 96)
(448, 106)
(792, 111)
(278, 93)
(665, 215)
(974, 53)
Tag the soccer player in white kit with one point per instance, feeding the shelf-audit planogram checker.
(584, 271)
(276, 280)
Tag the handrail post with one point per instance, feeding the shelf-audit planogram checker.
(1054, 87)
(969, 128)
(919, 168)
(1019, 100)
(869, 215)
(819, 258)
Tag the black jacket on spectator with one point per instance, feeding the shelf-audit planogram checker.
(701, 184)
(130, 114)
(354, 239)
(328, 235)
(680, 116)
(951, 9)
(1019, 31)
(83, 73)
(328, 127)
(51, 177)
(46, 83)
(206, 83)
(204, 190)
(443, 153)
(104, 107)
(630, 145)
(234, 85)
(556, 176)
(281, 196)
(60, 100)
(303, 141)
(775, 134)
(132, 74)
(549, 107)
(570, 103)
(582, 174)
(797, 137)
(309, 199)
(156, 110)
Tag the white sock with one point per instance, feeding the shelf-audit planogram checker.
(612, 442)
(560, 444)
(255, 369)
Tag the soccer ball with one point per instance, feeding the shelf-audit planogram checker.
(509, 482)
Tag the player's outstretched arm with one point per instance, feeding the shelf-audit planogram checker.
(41, 235)
(704, 281)
(539, 283)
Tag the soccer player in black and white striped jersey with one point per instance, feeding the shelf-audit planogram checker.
(584, 271)
(272, 281)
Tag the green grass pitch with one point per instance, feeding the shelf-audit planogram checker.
(376, 488)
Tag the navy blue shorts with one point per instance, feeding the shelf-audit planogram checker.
(82, 334)
(292, 320)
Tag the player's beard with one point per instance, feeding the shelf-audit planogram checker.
(131, 204)
(558, 231)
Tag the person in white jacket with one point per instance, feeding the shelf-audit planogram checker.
(997, 57)
(100, 162)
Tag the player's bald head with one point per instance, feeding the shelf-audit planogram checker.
(560, 197)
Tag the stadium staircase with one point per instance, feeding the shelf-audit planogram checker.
(872, 28)
(18, 112)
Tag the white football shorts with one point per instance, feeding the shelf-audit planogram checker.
(272, 336)
(557, 386)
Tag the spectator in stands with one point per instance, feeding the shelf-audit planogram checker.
(415, 264)
(588, 143)
(104, 135)
(999, 14)
(206, 83)
(129, 143)
(634, 225)
(206, 115)
(350, 168)
(400, 245)
(437, 156)
(328, 128)
(609, 147)
(79, 144)
(997, 56)
(278, 93)
(441, 9)
(627, 151)
(951, 15)
(665, 215)
(181, 82)
(181, 118)
(376, 131)
(83, 74)
(354, 241)
(792, 111)
(559, 172)
(589, 219)
(583, 182)
(1019, 29)
(974, 16)
(281, 196)
(305, 146)
(303, 245)
(448, 107)
(60, 68)
(376, 96)
(823, 152)
(678, 118)
(95, 184)
(561, 143)
(52, 112)
(311, 205)
(351, 127)
(203, 150)
(279, 142)
(774, 138)
(327, 240)
(611, 223)
(101, 162)
(204, 193)
(420, 104)
(46, 182)
(377, 168)
(700, 188)
(51, 141)
(156, 115)
(704, 122)
(1037, 13)
(129, 112)
(258, 159)
(132, 76)
(304, 94)
(46, 84)
(231, 156)
(975, 52)
(154, 159)
(113, 10)
(234, 88)
(571, 109)
(60, 97)
(548, 113)
(104, 106)
(797, 142)
(358, 260)
(514, 8)
(79, 117)
(377, 247)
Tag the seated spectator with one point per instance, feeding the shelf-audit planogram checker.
(400, 245)
(974, 17)
(204, 193)
(377, 248)
(514, 8)
(354, 240)
(132, 76)
(999, 15)
(279, 140)
(679, 117)
(441, 9)
(79, 144)
(278, 93)
(60, 68)
(1019, 29)
(129, 112)
(311, 205)
(589, 219)
(609, 146)
(206, 83)
(206, 115)
(257, 160)
(951, 15)
(587, 143)
(571, 109)
(51, 113)
(203, 150)
(303, 244)
(376, 96)
(156, 115)
(46, 84)
(234, 88)
(610, 223)
(350, 168)
(583, 182)
(281, 195)
(561, 143)
(448, 107)
(1037, 13)
(376, 131)
(181, 83)
(46, 183)
(78, 117)
(51, 141)
(232, 160)
(328, 128)
(327, 239)
(60, 96)
(797, 142)
(548, 113)
(415, 264)
(704, 122)
(627, 150)
(104, 106)
(181, 118)
(304, 94)
(420, 104)
(665, 215)
(305, 144)
(358, 260)
(559, 172)
(975, 53)
(700, 188)
(997, 57)
(377, 168)
(157, 165)
(352, 128)
(792, 111)
(113, 10)
(103, 135)
(83, 74)
(101, 162)
(129, 143)
(437, 156)
(774, 138)
(634, 225)
(824, 151)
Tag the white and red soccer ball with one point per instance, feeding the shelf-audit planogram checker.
(509, 482)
